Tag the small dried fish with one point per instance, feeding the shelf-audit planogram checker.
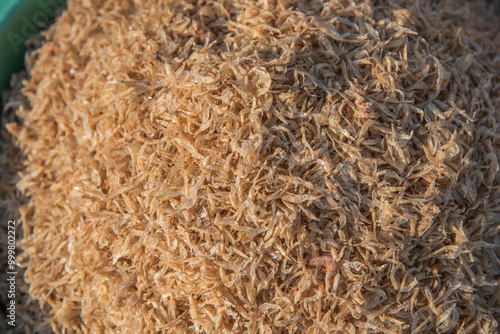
(191, 166)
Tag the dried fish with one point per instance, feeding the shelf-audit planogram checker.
(193, 166)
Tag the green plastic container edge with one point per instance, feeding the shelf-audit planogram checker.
(19, 20)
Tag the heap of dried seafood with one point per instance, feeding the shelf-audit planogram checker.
(265, 166)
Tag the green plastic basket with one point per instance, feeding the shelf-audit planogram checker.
(19, 20)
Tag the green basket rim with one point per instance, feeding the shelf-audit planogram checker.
(19, 20)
